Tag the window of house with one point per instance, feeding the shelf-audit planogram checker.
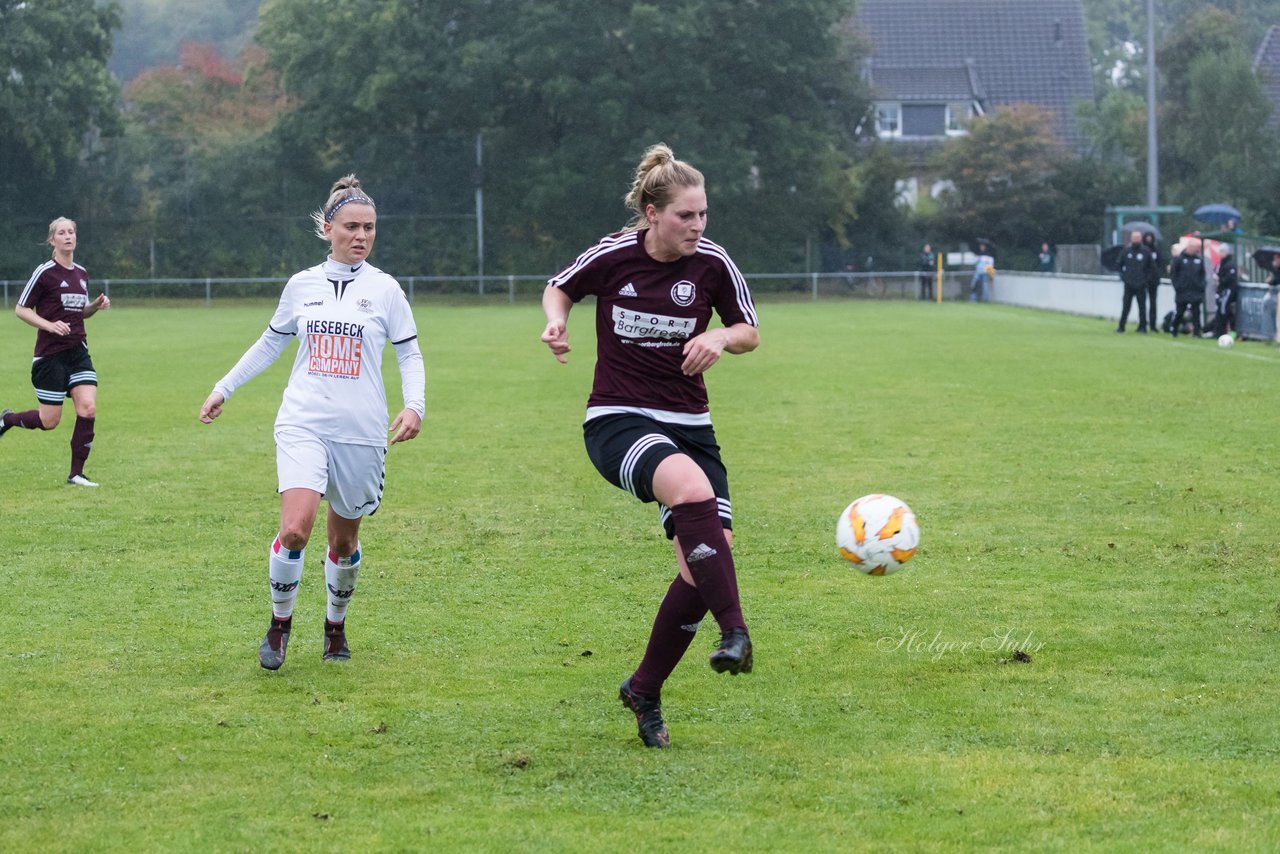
(957, 115)
(924, 120)
(888, 119)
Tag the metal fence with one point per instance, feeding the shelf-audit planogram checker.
(888, 285)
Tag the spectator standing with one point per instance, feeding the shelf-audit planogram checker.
(1135, 270)
(1228, 293)
(1187, 272)
(983, 266)
(1153, 278)
(1046, 261)
(928, 269)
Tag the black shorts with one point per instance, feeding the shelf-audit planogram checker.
(627, 449)
(54, 376)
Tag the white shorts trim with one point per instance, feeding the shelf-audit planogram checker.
(349, 477)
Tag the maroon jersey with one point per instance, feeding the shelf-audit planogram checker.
(58, 293)
(646, 310)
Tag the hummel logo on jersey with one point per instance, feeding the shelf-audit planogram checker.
(309, 304)
(628, 290)
(702, 552)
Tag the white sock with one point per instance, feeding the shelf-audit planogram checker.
(284, 568)
(340, 577)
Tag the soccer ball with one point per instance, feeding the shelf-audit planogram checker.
(1226, 340)
(878, 534)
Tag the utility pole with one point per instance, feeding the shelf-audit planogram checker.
(1153, 157)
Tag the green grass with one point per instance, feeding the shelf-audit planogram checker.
(1104, 503)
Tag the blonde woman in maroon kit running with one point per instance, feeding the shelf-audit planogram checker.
(56, 302)
(648, 426)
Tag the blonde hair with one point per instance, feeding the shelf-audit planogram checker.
(345, 190)
(658, 178)
(53, 227)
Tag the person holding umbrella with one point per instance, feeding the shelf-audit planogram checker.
(1135, 269)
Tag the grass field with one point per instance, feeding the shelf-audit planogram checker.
(1104, 504)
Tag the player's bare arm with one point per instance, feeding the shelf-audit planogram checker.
(28, 316)
(704, 351)
(556, 305)
(103, 301)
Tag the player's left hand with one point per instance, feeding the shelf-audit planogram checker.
(406, 426)
(103, 301)
(702, 352)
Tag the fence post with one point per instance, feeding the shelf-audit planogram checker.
(411, 278)
(814, 280)
(208, 292)
(480, 282)
(6, 293)
(106, 287)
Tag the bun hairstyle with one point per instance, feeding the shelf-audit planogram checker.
(658, 178)
(344, 191)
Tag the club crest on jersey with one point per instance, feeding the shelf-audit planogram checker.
(365, 306)
(628, 290)
(683, 293)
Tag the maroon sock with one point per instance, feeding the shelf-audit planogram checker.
(678, 617)
(706, 552)
(81, 442)
(29, 420)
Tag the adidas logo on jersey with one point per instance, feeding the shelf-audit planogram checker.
(702, 552)
(64, 284)
(628, 290)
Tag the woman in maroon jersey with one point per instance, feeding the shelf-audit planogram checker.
(648, 426)
(56, 302)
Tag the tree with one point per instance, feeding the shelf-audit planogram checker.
(153, 31)
(762, 97)
(1003, 171)
(55, 95)
(1214, 144)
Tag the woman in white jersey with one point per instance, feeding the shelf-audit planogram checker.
(648, 426)
(331, 430)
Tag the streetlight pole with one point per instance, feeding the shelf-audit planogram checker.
(1153, 158)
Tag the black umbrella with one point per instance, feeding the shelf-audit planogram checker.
(1112, 255)
(1145, 227)
(1265, 256)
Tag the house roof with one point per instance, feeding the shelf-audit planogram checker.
(916, 83)
(1266, 65)
(1019, 51)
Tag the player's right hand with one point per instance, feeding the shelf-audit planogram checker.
(212, 407)
(60, 327)
(556, 337)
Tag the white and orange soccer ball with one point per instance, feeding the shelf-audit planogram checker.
(877, 534)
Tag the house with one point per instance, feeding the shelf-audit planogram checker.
(934, 64)
(1266, 66)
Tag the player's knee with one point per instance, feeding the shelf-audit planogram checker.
(49, 420)
(691, 493)
(294, 537)
(87, 410)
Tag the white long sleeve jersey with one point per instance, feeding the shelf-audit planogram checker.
(343, 318)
